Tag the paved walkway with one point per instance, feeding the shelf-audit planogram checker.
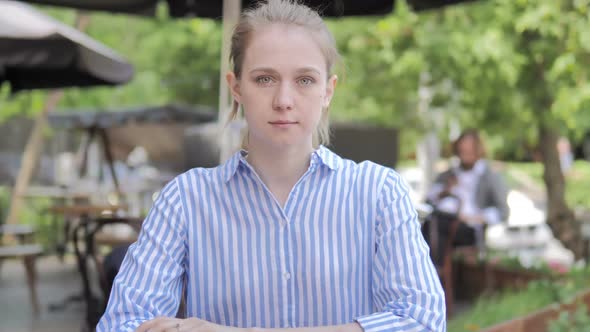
(56, 280)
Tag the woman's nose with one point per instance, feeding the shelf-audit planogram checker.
(283, 99)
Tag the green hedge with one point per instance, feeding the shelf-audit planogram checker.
(509, 304)
(34, 213)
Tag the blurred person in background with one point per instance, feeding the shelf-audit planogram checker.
(479, 193)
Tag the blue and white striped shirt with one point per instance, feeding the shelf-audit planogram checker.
(346, 247)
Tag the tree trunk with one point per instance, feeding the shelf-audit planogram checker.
(30, 157)
(560, 217)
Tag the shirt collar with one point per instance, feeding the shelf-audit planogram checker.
(478, 168)
(325, 156)
(320, 157)
(230, 167)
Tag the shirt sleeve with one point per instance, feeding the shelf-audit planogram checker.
(434, 192)
(149, 283)
(406, 290)
(500, 196)
(491, 215)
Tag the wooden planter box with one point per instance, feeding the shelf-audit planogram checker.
(502, 278)
(477, 278)
(538, 321)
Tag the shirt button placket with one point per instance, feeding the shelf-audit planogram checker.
(286, 276)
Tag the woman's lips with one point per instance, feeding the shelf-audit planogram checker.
(282, 123)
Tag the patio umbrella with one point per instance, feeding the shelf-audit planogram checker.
(213, 8)
(38, 52)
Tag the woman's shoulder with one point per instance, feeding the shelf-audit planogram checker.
(367, 169)
(349, 164)
(198, 177)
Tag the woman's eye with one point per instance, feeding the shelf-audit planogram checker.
(264, 80)
(305, 81)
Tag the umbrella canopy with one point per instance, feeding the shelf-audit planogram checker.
(38, 52)
(159, 129)
(213, 8)
(109, 119)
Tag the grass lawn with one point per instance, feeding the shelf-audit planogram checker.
(488, 311)
(577, 180)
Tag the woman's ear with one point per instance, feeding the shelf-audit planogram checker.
(234, 86)
(330, 87)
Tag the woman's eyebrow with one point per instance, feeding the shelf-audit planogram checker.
(306, 70)
(299, 71)
(264, 70)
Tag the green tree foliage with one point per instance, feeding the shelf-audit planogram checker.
(381, 69)
(531, 59)
(513, 68)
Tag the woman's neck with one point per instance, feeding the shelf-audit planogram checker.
(280, 169)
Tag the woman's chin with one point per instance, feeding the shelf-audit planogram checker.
(286, 143)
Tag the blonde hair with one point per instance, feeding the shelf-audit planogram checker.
(285, 12)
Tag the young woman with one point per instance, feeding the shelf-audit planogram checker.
(286, 234)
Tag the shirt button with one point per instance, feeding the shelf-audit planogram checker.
(287, 275)
(284, 222)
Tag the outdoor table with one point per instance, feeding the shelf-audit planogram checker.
(84, 214)
(73, 212)
(90, 227)
(101, 237)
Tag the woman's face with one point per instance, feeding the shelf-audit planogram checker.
(283, 87)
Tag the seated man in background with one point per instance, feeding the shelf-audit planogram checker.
(480, 194)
